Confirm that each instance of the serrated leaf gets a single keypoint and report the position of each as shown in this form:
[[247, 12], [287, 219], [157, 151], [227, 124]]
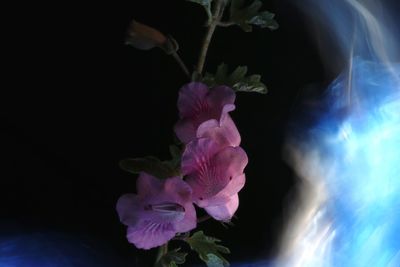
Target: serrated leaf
[[154, 166], [150, 165], [214, 261], [238, 74], [207, 7], [175, 151], [222, 73], [175, 161], [251, 84], [237, 80], [246, 16], [172, 258], [208, 249], [265, 19]]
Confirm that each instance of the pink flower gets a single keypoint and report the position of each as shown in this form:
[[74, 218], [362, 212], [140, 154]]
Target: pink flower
[[215, 174], [161, 209], [204, 112]]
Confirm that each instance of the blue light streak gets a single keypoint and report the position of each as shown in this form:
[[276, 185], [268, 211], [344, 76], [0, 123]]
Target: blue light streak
[[362, 153], [49, 249]]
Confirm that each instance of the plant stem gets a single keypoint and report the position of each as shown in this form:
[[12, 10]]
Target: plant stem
[[218, 10], [161, 252], [203, 218], [225, 23], [181, 63], [183, 237]]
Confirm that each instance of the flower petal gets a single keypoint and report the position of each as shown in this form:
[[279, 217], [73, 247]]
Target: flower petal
[[209, 175], [148, 234], [147, 184], [233, 187], [178, 189], [197, 104], [168, 204], [128, 209], [225, 194], [192, 98], [182, 193], [161, 209], [197, 154], [226, 211], [223, 132], [185, 130], [231, 161], [221, 96], [189, 222]]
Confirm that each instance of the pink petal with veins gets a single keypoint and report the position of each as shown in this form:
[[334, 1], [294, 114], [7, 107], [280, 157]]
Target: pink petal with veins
[[161, 209]]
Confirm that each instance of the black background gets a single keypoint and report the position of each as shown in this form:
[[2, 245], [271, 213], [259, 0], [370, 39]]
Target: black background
[[81, 100]]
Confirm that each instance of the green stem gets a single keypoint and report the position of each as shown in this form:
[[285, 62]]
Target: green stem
[[161, 252], [225, 23], [181, 64], [203, 218], [183, 236], [218, 10]]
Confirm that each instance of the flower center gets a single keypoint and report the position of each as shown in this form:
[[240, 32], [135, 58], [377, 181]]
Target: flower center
[[168, 210]]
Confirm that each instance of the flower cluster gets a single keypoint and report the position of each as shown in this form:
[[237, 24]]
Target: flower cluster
[[212, 166]]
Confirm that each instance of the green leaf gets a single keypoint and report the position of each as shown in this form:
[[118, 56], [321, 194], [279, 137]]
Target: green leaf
[[251, 84], [265, 19], [175, 151], [172, 259], [175, 161], [237, 75], [154, 166], [150, 165], [214, 261], [207, 7], [246, 16], [237, 80], [220, 77], [208, 249]]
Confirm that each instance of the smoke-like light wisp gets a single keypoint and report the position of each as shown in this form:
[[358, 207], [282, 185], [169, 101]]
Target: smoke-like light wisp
[[351, 206], [349, 161]]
